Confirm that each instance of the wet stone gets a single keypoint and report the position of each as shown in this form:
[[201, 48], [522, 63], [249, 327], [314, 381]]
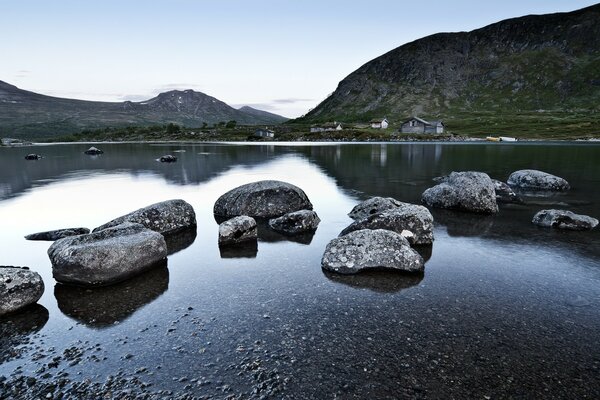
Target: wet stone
[[531, 179], [296, 222], [237, 230], [466, 191], [563, 219], [19, 288]]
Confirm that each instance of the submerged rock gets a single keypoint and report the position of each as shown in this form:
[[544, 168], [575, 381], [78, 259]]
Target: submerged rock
[[412, 221], [93, 151], [57, 234], [167, 159], [532, 179], [562, 219], [237, 230], [263, 199], [296, 222], [367, 249], [166, 217], [107, 256], [504, 193], [19, 288], [33, 157], [467, 191], [372, 206]]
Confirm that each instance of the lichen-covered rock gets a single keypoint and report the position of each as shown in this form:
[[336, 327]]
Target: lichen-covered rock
[[372, 206], [237, 230], [402, 217], [562, 219], [19, 288], [532, 179], [57, 234], [107, 256], [296, 222], [367, 249], [504, 193], [263, 199], [93, 151], [467, 191], [166, 217]]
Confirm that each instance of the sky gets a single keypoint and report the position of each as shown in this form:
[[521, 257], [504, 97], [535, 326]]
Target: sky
[[281, 56]]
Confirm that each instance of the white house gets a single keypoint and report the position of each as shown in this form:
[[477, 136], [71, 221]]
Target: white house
[[328, 127], [379, 123], [418, 125], [264, 132]]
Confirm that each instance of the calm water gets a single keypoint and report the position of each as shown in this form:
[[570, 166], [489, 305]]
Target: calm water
[[505, 309]]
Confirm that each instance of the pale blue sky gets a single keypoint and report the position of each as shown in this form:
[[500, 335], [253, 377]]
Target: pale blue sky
[[280, 55]]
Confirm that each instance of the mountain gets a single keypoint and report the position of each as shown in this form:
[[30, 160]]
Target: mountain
[[533, 64], [262, 114], [29, 114]]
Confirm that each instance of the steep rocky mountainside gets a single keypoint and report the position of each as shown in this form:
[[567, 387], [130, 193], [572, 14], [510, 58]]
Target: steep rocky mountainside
[[29, 114], [533, 64]]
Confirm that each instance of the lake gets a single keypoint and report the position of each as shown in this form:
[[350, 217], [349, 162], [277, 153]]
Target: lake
[[504, 309]]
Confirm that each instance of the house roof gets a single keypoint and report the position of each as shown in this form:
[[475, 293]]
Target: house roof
[[434, 123]]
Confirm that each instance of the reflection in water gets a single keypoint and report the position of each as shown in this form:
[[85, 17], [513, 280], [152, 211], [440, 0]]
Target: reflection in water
[[460, 223], [266, 234], [381, 281], [425, 251], [247, 249], [180, 240], [16, 330], [102, 307]]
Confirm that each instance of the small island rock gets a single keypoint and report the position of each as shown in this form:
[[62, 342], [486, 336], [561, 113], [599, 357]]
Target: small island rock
[[57, 234], [93, 151], [263, 199], [33, 157], [237, 230], [167, 159], [166, 217], [467, 191], [19, 287], [402, 217], [107, 256], [296, 222], [368, 249], [532, 179], [562, 219]]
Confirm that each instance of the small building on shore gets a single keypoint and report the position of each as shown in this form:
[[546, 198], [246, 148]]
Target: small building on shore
[[380, 123], [328, 127], [419, 125], [264, 132]]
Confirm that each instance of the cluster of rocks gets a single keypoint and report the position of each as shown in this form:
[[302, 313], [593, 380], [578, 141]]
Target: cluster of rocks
[[284, 207], [94, 151]]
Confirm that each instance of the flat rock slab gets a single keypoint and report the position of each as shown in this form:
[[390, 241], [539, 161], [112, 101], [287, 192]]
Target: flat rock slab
[[368, 249], [562, 219], [19, 288], [108, 256], [399, 218], [296, 222], [57, 234], [263, 199], [466, 191], [531, 179], [166, 217], [237, 230]]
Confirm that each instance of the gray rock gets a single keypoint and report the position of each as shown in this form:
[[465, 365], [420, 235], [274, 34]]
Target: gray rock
[[504, 193], [467, 191], [107, 256], [167, 159], [562, 219], [263, 199], [296, 222], [372, 206], [532, 179], [402, 217], [367, 249], [93, 151], [57, 234], [166, 217], [33, 157], [19, 287], [237, 230]]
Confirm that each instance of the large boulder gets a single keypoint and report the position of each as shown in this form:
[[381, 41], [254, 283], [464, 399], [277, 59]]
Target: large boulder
[[57, 234], [368, 249], [562, 219], [237, 230], [107, 256], [19, 288], [166, 217], [531, 179], [467, 191], [263, 199], [372, 206], [504, 193], [403, 217], [296, 222]]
